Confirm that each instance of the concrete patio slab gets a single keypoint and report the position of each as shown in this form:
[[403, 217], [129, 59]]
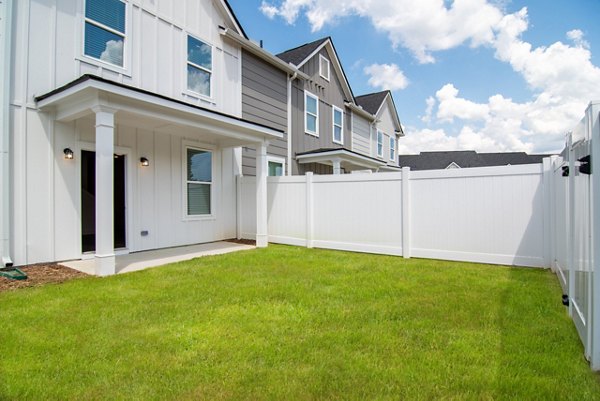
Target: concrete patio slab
[[147, 259]]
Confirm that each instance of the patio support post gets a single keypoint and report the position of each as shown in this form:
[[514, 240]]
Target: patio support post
[[337, 166], [262, 237], [105, 253]]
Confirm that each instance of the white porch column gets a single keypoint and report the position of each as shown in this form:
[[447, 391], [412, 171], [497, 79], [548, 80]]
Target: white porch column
[[262, 237], [105, 253], [337, 166]]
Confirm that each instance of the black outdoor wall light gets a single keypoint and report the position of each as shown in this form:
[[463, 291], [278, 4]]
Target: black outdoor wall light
[[68, 153], [144, 162]]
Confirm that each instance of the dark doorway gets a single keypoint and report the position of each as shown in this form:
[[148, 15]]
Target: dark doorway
[[88, 201]]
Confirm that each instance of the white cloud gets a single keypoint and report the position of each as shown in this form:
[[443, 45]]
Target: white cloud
[[113, 52], [576, 36], [386, 76], [430, 102], [451, 106], [421, 26]]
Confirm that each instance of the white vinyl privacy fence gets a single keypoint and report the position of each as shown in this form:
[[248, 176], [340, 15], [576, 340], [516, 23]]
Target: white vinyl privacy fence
[[490, 215], [575, 231]]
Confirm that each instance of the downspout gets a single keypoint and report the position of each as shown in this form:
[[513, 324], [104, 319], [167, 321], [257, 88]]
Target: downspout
[[6, 55], [289, 121]]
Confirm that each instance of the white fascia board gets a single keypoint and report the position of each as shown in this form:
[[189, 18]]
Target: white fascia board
[[262, 53], [360, 111], [107, 88], [232, 18], [342, 155]]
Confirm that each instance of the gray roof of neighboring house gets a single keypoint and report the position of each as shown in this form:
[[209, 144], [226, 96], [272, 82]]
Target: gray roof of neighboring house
[[300, 53], [371, 102], [466, 158]]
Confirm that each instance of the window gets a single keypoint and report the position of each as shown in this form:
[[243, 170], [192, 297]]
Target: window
[[199, 181], [276, 166], [392, 148], [104, 37], [311, 114], [379, 143], [199, 66], [323, 67], [338, 125]]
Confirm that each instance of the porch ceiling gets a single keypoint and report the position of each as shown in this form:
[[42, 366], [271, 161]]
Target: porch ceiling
[[138, 108]]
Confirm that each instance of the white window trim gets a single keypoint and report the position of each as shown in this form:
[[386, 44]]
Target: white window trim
[[379, 133], [392, 148], [333, 110], [323, 58], [276, 159], [197, 146], [187, 90], [125, 69], [306, 112]]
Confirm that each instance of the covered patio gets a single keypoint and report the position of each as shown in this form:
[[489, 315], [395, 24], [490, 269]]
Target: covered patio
[[147, 259], [164, 141]]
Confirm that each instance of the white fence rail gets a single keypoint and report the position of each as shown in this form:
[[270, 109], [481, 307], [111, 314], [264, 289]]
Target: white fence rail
[[489, 215]]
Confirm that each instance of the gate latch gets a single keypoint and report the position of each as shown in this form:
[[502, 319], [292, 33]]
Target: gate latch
[[586, 165]]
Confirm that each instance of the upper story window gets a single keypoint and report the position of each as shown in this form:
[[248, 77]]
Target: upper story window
[[379, 143], [199, 182], [311, 114], [338, 125], [323, 67], [199, 66], [392, 148], [105, 35]]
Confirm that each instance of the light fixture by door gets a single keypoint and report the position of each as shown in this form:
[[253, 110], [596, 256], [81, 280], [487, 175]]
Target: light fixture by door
[[68, 153], [144, 162]]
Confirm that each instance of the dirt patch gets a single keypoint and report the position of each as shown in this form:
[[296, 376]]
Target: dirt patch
[[39, 275], [242, 241]]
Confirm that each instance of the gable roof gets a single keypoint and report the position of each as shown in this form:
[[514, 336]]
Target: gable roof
[[466, 158], [298, 54], [234, 18], [371, 102]]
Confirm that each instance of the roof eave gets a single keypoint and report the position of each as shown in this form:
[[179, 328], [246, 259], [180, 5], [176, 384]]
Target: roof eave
[[262, 53]]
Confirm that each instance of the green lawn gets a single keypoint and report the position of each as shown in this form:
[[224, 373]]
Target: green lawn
[[292, 323]]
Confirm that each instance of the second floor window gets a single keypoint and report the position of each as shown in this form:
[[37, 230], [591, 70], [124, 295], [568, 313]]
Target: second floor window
[[105, 30], [379, 143], [199, 66], [338, 125], [392, 148], [311, 114]]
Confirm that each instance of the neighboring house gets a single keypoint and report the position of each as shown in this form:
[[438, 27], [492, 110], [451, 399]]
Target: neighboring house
[[384, 133], [465, 159], [122, 126], [327, 124]]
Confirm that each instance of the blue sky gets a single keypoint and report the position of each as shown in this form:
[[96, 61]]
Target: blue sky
[[468, 74]]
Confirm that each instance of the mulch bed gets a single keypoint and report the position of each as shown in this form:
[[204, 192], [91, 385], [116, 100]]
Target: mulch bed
[[40, 274], [242, 241]]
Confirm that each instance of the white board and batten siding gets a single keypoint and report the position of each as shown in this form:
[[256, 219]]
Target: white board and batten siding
[[48, 53], [489, 215]]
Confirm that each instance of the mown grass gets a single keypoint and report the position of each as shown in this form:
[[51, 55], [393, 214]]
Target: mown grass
[[292, 323]]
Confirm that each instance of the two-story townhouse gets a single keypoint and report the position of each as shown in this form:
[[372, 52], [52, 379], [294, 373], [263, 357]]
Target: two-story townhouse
[[122, 124], [330, 131], [383, 133]]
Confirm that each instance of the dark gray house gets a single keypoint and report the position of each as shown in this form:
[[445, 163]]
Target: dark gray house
[[465, 159], [330, 131]]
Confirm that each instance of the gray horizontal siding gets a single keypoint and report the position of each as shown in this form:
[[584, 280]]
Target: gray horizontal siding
[[264, 101]]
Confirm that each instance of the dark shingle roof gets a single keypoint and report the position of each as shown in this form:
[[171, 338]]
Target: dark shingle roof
[[300, 53], [466, 158], [371, 102]]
